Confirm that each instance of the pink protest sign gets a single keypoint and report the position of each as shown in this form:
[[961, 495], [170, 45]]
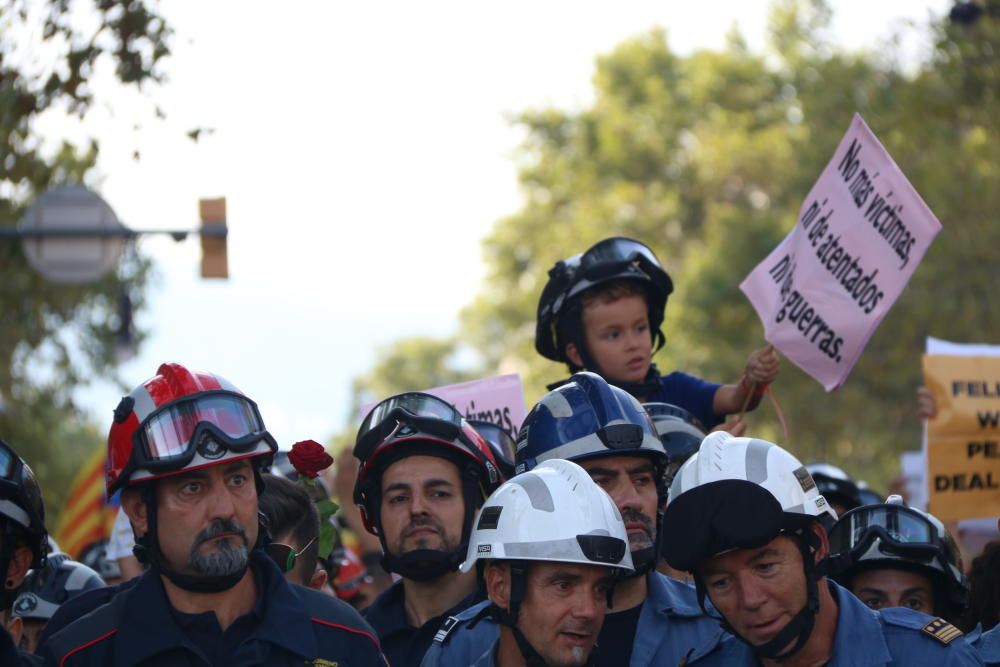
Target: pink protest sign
[[498, 399], [861, 233]]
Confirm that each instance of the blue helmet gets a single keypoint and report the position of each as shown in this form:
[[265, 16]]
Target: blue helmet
[[46, 588], [584, 419]]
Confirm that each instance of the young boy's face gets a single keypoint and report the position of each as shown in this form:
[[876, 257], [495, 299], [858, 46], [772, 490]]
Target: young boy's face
[[618, 338]]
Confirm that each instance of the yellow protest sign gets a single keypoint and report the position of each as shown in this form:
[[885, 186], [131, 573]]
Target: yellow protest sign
[[963, 440]]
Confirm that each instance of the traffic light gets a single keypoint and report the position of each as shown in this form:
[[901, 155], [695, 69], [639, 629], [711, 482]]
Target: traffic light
[[214, 256]]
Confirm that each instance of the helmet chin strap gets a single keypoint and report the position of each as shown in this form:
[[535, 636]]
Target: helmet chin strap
[[422, 564], [647, 387], [518, 581], [7, 595], [797, 630], [429, 564], [643, 560]]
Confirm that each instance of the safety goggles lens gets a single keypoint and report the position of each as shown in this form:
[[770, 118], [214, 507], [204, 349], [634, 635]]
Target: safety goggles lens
[[413, 407], [498, 439], [7, 463], [901, 525], [415, 403], [168, 433]]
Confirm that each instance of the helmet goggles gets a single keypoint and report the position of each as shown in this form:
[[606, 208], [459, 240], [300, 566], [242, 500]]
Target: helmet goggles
[[498, 439], [410, 412], [16, 483], [170, 437], [611, 256], [902, 531]]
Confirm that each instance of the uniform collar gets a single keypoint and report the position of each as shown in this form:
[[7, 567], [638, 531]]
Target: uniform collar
[[671, 597], [145, 607], [488, 659], [858, 639], [668, 602], [987, 643], [387, 613]]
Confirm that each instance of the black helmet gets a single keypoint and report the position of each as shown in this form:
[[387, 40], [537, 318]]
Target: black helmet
[[680, 432], [21, 507], [835, 485], [615, 258], [891, 535]]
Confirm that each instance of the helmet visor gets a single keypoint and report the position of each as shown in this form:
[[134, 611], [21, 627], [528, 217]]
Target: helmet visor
[[420, 411], [615, 252], [498, 439], [167, 436], [899, 528], [8, 461]]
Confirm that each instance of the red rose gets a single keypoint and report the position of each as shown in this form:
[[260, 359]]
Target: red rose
[[309, 458]]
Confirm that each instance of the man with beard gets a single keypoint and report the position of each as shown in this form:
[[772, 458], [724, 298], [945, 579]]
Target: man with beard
[[187, 450], [424, 471], [654, 620]]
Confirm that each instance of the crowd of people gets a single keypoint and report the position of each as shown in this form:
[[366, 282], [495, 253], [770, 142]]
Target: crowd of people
[[633, 522]]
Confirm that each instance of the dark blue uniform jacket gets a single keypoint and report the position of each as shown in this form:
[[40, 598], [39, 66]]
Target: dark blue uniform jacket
[[290, 625]]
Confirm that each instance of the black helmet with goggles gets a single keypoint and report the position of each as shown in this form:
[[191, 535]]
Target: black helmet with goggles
[[411, 424], [893, 536], [614, 258]]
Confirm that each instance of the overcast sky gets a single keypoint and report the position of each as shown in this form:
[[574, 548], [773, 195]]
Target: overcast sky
[[364, 151]]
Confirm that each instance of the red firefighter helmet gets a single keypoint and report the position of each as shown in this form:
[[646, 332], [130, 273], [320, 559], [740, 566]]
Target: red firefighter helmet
[[181, 420]]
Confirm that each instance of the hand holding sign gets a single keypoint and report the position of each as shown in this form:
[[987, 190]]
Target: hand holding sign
[[762, 366], [861, 233]]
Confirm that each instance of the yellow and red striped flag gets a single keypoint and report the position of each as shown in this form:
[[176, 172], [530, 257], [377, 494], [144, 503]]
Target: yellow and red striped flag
[[88, 517]]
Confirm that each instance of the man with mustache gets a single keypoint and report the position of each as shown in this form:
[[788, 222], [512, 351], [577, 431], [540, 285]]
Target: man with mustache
[[653, 620], [187, 450], [424, 471]]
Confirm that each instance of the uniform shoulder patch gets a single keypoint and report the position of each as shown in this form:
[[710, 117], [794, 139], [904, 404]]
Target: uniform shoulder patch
[[446, 627], [942, 630]]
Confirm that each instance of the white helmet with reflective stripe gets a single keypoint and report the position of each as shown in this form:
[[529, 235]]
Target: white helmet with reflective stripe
[[556, 513], [722, 456]]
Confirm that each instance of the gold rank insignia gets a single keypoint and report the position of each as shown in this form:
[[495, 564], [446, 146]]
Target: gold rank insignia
[[320, 662], [942, 630]]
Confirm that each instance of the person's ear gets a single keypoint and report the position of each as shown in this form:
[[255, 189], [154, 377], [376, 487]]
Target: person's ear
[[135, 508], [318, 580], [18, 568], [497, 579], [573, 354], [824, 541], [15, 626]]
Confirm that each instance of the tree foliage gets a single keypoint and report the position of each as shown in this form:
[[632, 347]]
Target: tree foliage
[[707, 158], [56, 338]]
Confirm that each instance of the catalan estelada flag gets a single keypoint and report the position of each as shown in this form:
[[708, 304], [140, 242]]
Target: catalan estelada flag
[[88, 517]]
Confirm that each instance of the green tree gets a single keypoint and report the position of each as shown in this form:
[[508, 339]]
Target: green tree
[[56, 337], [708, 157]]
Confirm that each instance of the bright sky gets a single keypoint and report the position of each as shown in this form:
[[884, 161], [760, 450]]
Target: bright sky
[[364, 151]]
